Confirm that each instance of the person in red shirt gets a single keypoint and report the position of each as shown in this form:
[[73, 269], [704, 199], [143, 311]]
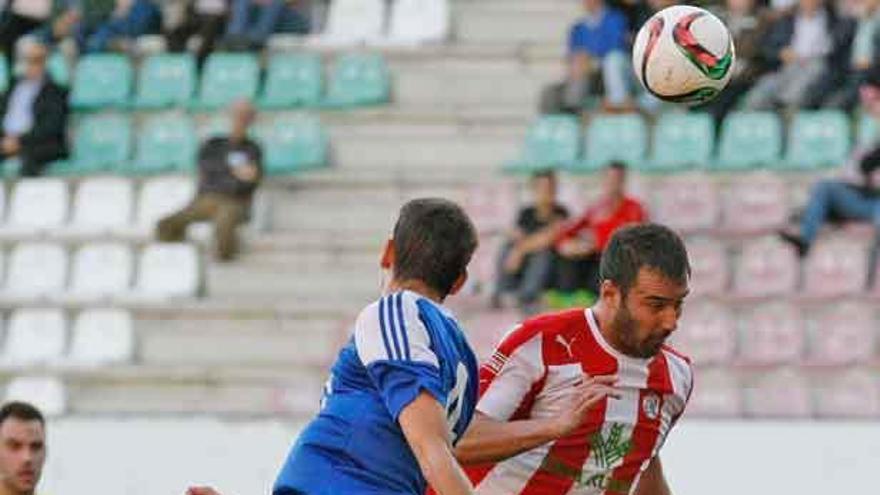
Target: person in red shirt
[[580, 244]]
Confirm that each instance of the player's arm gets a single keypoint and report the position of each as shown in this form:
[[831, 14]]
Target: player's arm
[[491, 440], [424, 424], [652, 481]]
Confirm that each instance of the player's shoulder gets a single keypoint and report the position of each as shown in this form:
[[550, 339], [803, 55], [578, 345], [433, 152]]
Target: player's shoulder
[[681, 369], [546, 325]]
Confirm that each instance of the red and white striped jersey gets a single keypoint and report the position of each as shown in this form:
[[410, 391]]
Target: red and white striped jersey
[[529, 375]]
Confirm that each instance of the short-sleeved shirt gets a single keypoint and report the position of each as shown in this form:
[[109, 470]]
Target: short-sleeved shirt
[[218, 156], [401, 345], [603, 224], [599, 34], [529, 222]]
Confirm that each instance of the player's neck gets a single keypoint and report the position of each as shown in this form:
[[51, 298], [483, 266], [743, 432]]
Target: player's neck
[[416, 286], [606, 325]]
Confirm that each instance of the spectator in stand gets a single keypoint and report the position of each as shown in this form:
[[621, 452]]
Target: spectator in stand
[[853, 197], [747, 26], [101, 25], [22, 448], [526, 263], [253, 21], [34, 112], [18, 19], [799, 48], [230, 169], [597, 52], [581, 243], [203, 18]]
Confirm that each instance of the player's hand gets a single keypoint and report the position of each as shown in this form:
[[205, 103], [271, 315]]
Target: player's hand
[[581, 399], [202, 490]]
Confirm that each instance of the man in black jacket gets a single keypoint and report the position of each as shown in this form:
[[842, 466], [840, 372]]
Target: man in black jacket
[[34, 113], [230, 169]]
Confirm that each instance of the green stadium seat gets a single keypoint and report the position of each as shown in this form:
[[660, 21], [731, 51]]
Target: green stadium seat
[[166, 80], [102, 80], [553, 141], [868, 130], [293, 144], [358, 80], [749, 139], [100, 143], [165, 143], [227, 77], [614, 137], [4, 75], [681, 140], [817, 139], [293, 80], [59, 69]]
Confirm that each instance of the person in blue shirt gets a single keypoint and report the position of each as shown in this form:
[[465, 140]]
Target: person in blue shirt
[[597, 46]]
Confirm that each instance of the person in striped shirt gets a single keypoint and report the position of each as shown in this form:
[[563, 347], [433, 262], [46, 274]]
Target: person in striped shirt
[[536, 431]]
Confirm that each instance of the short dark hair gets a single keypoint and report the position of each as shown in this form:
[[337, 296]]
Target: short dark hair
[[617, 165], [21, 410], [433, 242], [644, 246], [546, 173]]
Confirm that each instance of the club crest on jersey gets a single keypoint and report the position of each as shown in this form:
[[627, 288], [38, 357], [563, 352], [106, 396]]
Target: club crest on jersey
[[496, 362], [651, 406]]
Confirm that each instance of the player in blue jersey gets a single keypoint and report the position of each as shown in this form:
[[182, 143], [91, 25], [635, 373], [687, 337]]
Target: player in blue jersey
[[404, 388]]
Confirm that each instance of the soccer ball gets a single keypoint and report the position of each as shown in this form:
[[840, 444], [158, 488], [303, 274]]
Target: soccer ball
[[683, 54]]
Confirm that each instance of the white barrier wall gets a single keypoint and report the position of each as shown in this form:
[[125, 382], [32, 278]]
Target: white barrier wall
[[161, 457]]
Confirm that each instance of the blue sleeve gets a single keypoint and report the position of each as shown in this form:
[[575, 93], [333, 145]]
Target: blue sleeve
[[576, 42], [400, 383]]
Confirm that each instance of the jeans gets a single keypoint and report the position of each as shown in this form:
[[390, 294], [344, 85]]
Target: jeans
[[255, 23], [532, 278], [225, 211], [144, 17]]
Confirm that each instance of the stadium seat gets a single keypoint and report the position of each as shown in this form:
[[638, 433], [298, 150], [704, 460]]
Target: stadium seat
[[707, 334], [101, 143], [160, 197], [849, 394], [5, 75], [842, 334], [100, 81], [614, 137], [492, 206], [867, 131], [293, 144], [101, 204], [166, 143], [37, 205], [749, 139], [166, 80], [47, 394], [36, 336], [100, 270], [227, 77], [772, 333], [710, 267], [2, 206], [836, 267], [483, 265], [551, 141], [419, 21], [686, 203], [486, 329], [816, 140], [59, 70], [358, 80], [717, 396], [354, 21], [766, 267], [292, 80], [102, 336], [779, 394], [168, 270], [755, 203], [681, 140], [35, 270]]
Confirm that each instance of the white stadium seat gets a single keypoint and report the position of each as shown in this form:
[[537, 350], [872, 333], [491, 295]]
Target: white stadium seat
[[836, 267], [844, 333], [38, 205], [2, 205], [755, 203], [710, 267], [160, 197], [772, 334], [47, 394], [850, 394], [417, 21], [766, 267], [101, 270], [779, 394], [35, 270], [101, 204], [35, 336], [718, 394], [102, 336], [354, 21], [686, 203], [707, 334], [168, 270]]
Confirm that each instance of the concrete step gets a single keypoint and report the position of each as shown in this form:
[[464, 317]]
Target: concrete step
[[503, 22]]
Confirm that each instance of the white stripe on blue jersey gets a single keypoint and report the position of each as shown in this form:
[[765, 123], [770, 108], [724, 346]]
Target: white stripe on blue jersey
[[391, 330]]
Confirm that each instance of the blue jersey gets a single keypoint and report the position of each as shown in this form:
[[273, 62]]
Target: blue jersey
[[401, 345]]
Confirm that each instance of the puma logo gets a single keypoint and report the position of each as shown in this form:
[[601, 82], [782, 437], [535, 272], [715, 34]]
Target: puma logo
[[565, 344]]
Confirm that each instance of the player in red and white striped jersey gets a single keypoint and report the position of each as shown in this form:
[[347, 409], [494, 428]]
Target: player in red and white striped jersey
[[580, 402]]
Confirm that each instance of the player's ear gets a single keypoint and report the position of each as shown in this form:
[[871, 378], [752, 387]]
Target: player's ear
[[610, 294], [387, 259], [459, 283]]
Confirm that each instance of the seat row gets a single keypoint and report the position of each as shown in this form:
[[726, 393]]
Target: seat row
[[814, 140], [38, 271], [408, 22], [172, 80]]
